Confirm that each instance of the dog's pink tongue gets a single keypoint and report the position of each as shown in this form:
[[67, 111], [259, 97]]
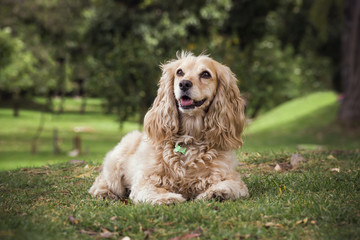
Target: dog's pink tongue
[[186, 102]]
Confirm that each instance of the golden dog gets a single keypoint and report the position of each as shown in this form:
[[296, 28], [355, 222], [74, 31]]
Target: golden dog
[[188, 148]]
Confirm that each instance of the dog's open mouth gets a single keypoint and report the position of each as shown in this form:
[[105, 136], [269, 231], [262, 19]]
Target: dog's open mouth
[[188, 103]]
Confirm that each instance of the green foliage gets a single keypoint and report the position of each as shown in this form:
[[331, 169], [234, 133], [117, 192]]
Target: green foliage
[[318, 15], [280, 49], [311, 27], [130, 40], [271, 74], [6, 48], [18, 64]]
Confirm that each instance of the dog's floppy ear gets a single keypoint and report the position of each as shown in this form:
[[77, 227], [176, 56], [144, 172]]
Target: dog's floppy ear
[[225, 119], [161, 121]]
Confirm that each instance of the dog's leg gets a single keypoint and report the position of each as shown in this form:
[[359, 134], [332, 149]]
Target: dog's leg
[[101, 189], [144, 191], [111, 182], [224, 190]]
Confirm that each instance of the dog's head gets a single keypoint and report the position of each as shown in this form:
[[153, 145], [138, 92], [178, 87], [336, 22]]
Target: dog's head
[[197, 86]]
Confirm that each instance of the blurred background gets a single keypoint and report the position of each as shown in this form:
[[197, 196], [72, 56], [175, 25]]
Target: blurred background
[[77, 75]]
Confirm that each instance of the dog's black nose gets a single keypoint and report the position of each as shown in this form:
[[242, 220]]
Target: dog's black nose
[[185, 85]]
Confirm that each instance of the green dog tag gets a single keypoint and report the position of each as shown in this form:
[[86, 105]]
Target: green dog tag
[[180, 149]]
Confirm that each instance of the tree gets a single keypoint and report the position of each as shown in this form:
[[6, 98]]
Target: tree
[[280, 49], [129, 39], [17, 69], [349, 113], [277, 54], [50, 31]]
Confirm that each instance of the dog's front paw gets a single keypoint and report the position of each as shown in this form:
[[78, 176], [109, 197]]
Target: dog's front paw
[[224, 191], [100, 189], [168, 198], [219, 195]]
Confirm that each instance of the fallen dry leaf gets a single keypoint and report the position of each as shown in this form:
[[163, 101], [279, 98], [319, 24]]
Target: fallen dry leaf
[[277, 168], [195, 234], [238, 236], [106, 235], [104, 230], [313, 222], [90, 233], [331, 157], [113, 218], [303, 221], [148, 232], [296, 160], [282, 167], [335, 169], [84, 175], [73, 220], [36, 171], [272, 224], [168, 223]]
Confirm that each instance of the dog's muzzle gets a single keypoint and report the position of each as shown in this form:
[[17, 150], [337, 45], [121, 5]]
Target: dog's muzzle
[[187, 103]]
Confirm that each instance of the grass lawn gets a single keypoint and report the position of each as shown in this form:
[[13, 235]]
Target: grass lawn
[[318, 200], [16, 134]]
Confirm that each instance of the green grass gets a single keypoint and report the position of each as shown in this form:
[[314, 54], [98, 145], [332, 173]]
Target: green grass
[[308, 122], [36, 204], [294, 110], [311, 202], [16, 135]]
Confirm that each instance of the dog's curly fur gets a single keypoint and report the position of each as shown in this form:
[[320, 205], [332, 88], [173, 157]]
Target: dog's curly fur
[[206, 117]]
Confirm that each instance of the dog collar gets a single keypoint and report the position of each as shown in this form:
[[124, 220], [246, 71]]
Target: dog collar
[[180, 149]]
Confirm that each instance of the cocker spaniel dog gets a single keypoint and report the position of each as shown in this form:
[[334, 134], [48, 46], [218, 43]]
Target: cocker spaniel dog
[[188, 148]]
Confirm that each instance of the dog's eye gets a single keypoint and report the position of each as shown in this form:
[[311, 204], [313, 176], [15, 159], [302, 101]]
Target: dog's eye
[[205, 74], [180, 73]]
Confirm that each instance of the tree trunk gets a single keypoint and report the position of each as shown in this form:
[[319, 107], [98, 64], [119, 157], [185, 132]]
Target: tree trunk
[[56, 148], [77, 144], [61, 84], [49, 102], [349, 114], [62, 102], [16, 103], [83, 104], [82, 93], [256, 110], [34, 148]]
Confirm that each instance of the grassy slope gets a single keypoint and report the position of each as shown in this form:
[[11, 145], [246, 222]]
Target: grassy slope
[[36, 203], [309, 122]]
